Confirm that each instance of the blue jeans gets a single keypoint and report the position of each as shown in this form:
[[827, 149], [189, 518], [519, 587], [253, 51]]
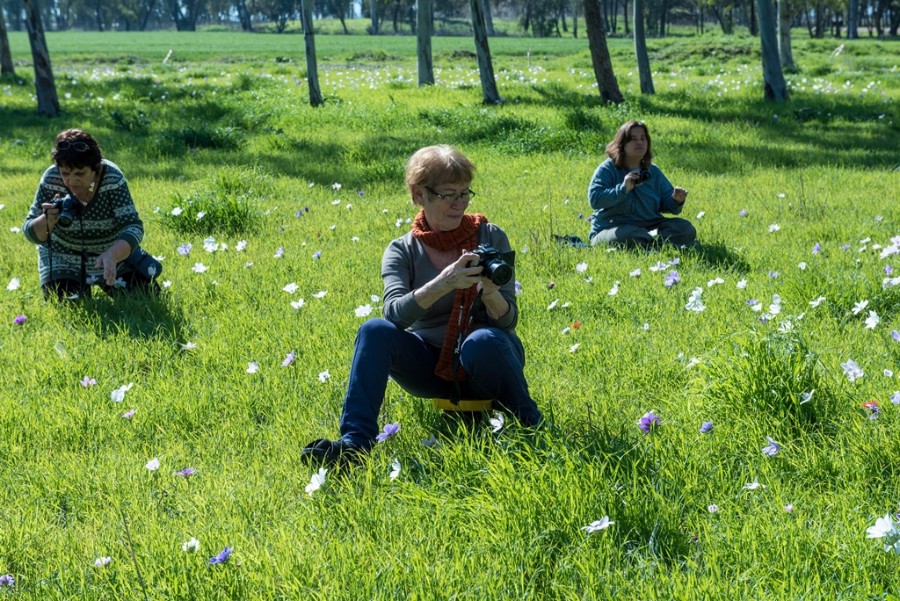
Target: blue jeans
[[493, 360]]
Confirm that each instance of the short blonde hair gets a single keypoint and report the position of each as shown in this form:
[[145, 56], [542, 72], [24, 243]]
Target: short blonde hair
[[439, 164]]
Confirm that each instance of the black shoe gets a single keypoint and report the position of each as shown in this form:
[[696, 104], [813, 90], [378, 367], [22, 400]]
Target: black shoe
[[329, 452]]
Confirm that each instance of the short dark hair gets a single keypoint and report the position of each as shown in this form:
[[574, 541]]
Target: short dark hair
[[616, 148], [66, 155]]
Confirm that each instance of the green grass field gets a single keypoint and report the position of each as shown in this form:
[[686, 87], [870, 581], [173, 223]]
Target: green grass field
[[792, 202]]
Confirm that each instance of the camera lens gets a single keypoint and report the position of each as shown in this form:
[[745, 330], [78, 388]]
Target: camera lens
[[499, 272]]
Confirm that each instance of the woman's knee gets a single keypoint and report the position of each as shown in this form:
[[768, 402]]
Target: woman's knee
[[485, 346]]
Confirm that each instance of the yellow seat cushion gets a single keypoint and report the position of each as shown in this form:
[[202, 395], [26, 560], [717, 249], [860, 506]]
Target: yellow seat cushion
[[464, 405]]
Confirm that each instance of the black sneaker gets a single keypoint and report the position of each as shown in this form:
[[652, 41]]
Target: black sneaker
[[329, 452]]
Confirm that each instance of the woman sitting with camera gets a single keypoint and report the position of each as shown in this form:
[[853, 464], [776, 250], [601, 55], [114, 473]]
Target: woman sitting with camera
[[85, 224], [449, 326], [629, 194]]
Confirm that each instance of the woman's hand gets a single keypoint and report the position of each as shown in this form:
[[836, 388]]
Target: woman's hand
[[109, 260], [679, 195], [458, 275], [631, 180], [455, 276]]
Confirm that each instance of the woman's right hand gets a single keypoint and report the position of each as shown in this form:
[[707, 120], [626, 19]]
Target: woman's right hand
[[631, 180], [51, 213], [458, 275]]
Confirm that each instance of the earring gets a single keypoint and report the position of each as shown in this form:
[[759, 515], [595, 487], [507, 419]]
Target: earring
[[91, 187]]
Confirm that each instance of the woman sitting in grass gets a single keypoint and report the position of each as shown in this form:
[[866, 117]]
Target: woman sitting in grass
[[629, 194], [86, 225], [434, 299]]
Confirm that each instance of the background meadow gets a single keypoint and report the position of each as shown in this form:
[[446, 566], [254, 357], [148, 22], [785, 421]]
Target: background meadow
[[793, 202]]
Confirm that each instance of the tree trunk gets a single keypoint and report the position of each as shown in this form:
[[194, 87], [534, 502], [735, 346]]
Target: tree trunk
[[775, 88], [6, 63], [853, 20], [485, 66], [488, 17], [45, 86], [663, 21], [640, 49], [424, 26], [244, 16], [373, 8], [784, 35], [312, 70], [575, 19], [754, 31], [603, 70]]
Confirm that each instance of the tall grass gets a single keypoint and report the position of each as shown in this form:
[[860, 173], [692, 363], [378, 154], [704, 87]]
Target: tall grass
[[225, 130]]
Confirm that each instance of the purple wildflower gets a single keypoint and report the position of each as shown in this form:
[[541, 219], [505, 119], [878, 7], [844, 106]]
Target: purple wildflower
[[774, 274], [518, 287], [185, 249], [288, 359], [19, 320], [752, 301], [87, 381], [221, 557], [360, 192], [772, 448], [317, 254], [189, 471], [279, 252], [129, 414], [895, 335], [389, 431], [299, 213], [895, 398], [706, 427], [672, 278], [648, 421], [845, 247], [817, 248], [888, 270], [7, 580], [743, 212]]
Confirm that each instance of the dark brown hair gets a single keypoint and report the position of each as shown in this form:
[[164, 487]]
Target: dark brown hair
[[65, 154], [616, 148]]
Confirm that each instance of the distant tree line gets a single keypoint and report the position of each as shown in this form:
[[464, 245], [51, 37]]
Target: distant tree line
[[539, 18]]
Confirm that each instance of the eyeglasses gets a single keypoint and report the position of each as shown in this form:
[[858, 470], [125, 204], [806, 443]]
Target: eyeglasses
[[76, 146], [462, 196]]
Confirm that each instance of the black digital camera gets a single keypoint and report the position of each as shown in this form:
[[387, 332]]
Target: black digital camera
[[494, 263], [68, 208], [644, 175]]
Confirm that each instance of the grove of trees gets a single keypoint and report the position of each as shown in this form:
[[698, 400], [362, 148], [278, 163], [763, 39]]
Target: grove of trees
[[539, 18]]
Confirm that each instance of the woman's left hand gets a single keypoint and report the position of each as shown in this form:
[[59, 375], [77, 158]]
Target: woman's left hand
[[109, 265], [679, 195]]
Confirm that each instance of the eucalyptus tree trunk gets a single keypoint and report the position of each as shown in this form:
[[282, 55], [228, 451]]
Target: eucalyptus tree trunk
[[603, 70], [784, 35], [6, 63], [424, 27], [488, 17], [853, 20], [44, 85], [775, 88], [575, 19], [373, 8], [483, 50], [312, 70], [640, 49]]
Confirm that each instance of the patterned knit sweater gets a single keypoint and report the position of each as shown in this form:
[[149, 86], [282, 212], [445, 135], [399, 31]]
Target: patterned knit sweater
[[109, 217]]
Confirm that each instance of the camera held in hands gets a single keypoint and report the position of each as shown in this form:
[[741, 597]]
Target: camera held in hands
[[494, 263], [68, 208], [644, 175]]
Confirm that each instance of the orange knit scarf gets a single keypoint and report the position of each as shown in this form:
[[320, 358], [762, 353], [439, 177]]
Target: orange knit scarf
[[463, 238]]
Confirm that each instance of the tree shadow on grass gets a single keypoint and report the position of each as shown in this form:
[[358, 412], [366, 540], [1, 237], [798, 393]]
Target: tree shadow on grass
[[136, 314]]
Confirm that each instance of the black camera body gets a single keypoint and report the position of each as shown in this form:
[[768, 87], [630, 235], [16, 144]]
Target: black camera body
[[644, 175], [494, 263], [68, 208]]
